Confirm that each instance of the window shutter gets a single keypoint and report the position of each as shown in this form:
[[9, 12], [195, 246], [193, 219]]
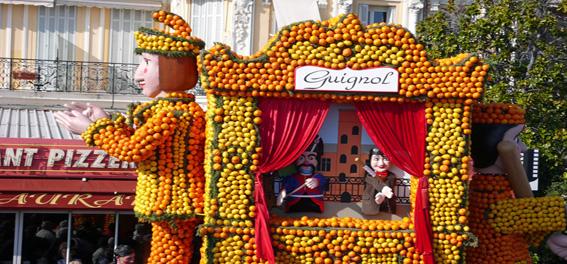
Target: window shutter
[[363, 13], [56, 35], [207, 20], [123, 24]]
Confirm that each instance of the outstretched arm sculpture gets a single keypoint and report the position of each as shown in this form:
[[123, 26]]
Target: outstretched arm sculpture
[[165, 137]]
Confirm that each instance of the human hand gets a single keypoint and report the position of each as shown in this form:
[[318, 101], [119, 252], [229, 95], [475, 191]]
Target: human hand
[[93, 112], [281, 198], [557, 242], [387, 191], [74, 121], [312, 183], [379, 198]]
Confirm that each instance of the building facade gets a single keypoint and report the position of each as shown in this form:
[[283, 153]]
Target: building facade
[[58, 51], [84, 48]]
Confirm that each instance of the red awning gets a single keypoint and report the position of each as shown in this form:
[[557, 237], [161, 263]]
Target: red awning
[[68, 186]]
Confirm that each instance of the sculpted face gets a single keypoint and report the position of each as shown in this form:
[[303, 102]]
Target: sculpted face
[[379, 163], [147, 75], [307, 159]]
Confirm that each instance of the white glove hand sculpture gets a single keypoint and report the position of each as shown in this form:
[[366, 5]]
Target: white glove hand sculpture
[[388, 192], [379, 198], [74, 121], [558, 244], [281, 198], [89, 110], [312, 183]]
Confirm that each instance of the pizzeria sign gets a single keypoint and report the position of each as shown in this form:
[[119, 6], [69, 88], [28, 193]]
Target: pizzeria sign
[[59, 158]]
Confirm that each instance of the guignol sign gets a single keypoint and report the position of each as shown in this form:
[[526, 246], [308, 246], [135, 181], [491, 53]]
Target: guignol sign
[[375, 80]]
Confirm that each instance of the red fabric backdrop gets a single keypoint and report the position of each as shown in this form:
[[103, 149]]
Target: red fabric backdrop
[[288, 127], [399, 131]]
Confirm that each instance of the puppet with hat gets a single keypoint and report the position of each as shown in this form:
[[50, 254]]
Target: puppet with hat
[[303, 191], [164, 136]]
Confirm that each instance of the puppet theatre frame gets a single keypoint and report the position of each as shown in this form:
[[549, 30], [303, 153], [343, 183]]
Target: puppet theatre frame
[[258, 121]]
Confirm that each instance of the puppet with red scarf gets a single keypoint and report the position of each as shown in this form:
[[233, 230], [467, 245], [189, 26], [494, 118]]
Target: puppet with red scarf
[[303, 191], [379, 181]]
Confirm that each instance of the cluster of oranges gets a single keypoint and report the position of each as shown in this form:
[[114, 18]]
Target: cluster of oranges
[[526, 215], [493, 246], [345, 222], [162, 41], [343, 240], [165, 137], [168, 146], [338, 44], [172, 242], [498, 113], [233, 158], [174, 21]]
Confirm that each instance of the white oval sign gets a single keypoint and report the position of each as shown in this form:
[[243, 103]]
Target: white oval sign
[[376, 80]]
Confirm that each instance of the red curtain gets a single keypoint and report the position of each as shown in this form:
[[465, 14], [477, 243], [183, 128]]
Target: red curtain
[[399, 131], [288, 128]]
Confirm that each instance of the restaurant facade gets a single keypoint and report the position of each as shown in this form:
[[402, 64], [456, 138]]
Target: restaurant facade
[[60, 200]]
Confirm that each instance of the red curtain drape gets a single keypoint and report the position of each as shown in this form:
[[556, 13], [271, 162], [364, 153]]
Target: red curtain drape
[[399, 131], [288, 128]]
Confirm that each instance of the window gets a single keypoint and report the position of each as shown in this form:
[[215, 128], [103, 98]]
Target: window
[[375, 14], [123, 24], [355, 130], [325, 164], [353, 168], [354, 150], [56, 36], [44, 236], [344, 139], [207, 20], [342, 159]]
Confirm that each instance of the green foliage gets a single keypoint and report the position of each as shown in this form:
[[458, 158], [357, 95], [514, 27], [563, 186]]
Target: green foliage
[[524, 41]]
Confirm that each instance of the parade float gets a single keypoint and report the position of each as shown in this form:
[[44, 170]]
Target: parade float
[[265, 112]]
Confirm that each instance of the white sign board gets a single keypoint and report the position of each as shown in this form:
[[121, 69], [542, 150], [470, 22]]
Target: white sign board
[[374, 80]]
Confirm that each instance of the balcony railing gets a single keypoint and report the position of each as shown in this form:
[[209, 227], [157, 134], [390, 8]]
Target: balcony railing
[[350, 189], [69, 76]]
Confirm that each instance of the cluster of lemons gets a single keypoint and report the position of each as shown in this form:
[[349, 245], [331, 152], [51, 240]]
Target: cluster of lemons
[[341, 43], [447, 167], [235, 249], [235, 158], [448, 247], [343, 240], [526, 215], [174, 39]]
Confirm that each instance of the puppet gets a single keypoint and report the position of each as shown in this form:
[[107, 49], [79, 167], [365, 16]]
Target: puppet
[[379, 181], [303, 191]]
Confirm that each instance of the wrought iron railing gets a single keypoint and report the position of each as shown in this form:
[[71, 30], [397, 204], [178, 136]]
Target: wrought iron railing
[[350, 189], [69, 76]]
